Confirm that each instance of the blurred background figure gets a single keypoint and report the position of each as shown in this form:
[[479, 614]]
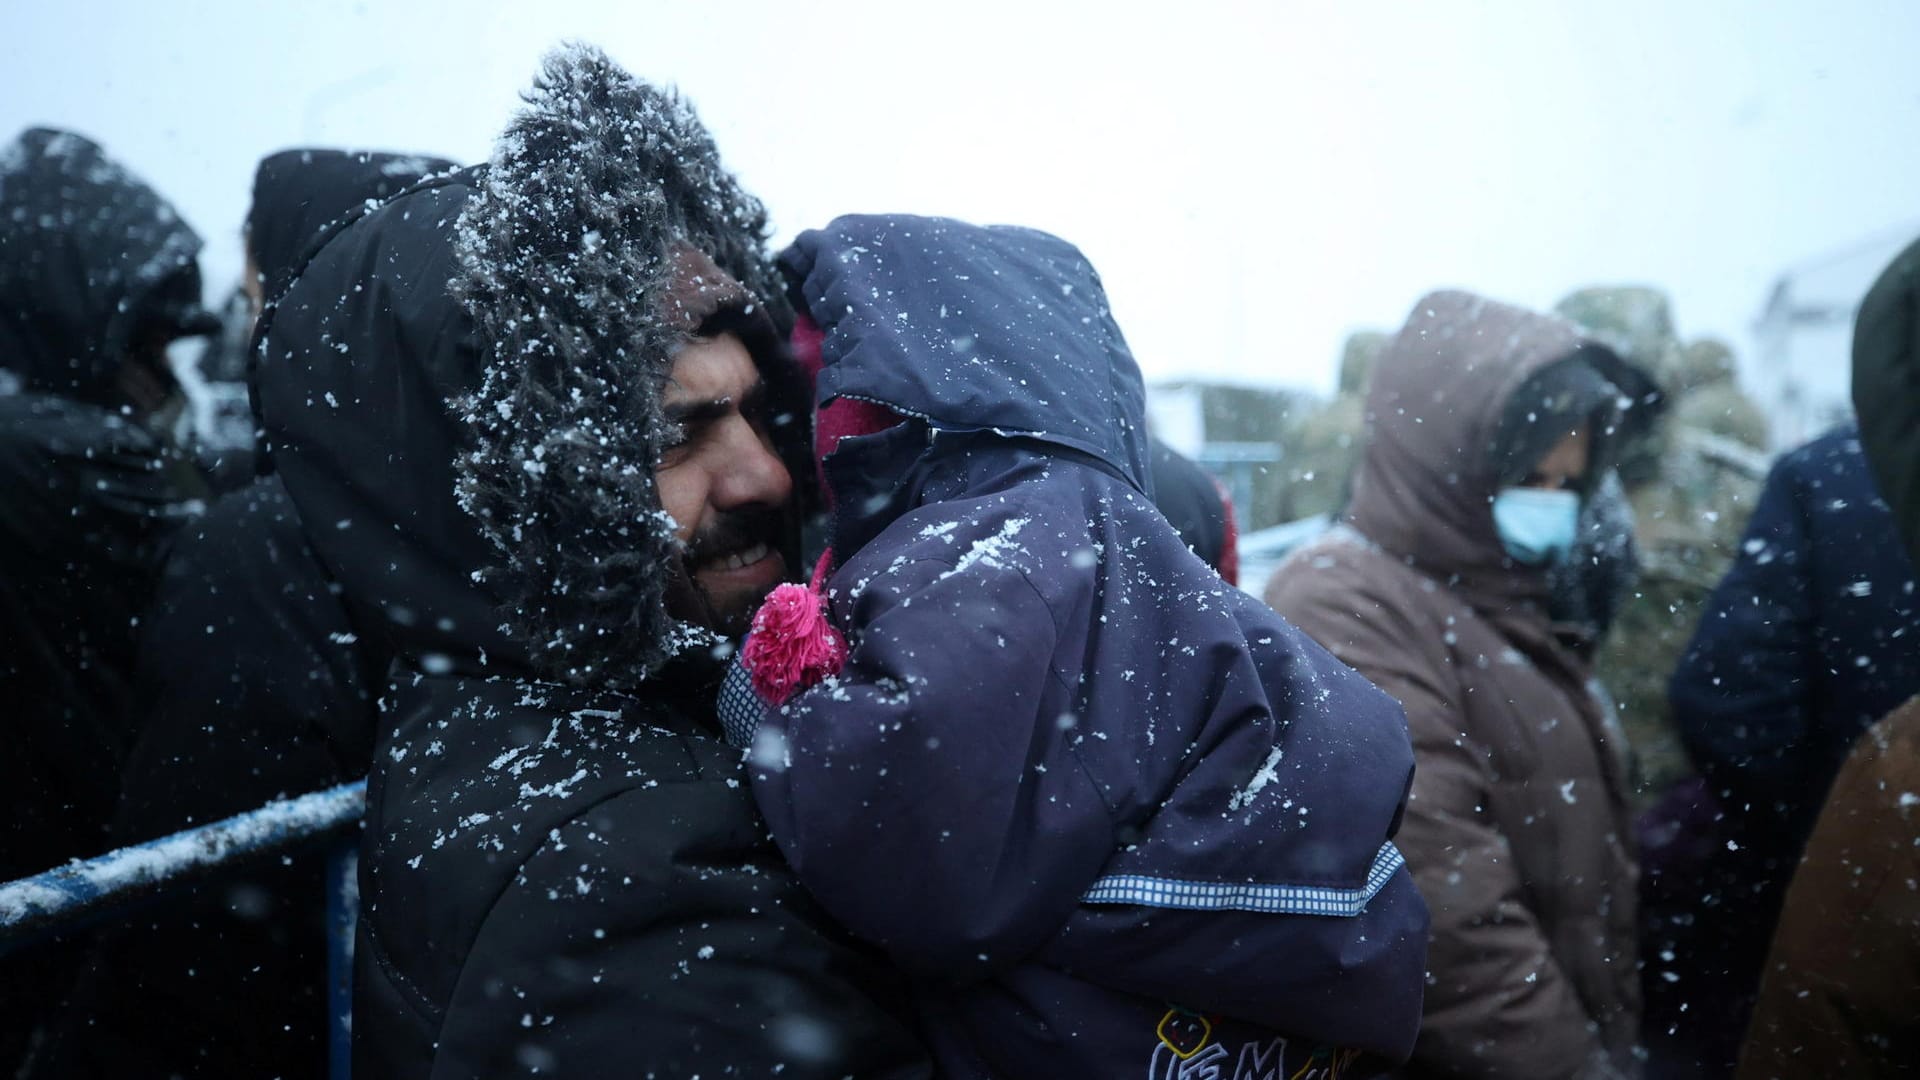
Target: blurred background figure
[[97, 276], [248, 670], [1810, 638], [1489, 426], [296, 194], [1840, 982], [1199, 509], [1690, 492]]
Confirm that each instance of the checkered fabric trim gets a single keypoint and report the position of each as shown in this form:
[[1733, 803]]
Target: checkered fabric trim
[[739, 707], [1247, 896]]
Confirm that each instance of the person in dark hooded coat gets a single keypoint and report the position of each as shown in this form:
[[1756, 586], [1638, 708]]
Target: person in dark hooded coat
[[1198, 508], [97, 276], [1111, 813], [298, 193], [525, 414], [1489, 425], [252, 684]]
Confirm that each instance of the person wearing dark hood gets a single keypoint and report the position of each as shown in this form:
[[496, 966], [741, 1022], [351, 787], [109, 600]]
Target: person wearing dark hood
[[529, 417], [1837, 995], [1110, 812], [249, 670], [1198, 508], [296, 194], [97, 276], [1486, 427]]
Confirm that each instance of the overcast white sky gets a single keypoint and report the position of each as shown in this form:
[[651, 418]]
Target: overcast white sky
[[1253, 180]]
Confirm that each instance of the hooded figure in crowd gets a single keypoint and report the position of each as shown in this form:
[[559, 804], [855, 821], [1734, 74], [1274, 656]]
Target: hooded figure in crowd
[[1487, 425], [97, 276], [1110, 813], [298, 193], [1198, 508], [563, 869], [249, 670], [1837, 998]]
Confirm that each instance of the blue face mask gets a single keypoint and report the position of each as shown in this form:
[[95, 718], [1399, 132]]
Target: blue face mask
[[1536, 526]]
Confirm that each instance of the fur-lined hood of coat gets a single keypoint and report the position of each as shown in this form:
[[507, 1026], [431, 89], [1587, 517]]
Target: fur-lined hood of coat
[[463, 386]]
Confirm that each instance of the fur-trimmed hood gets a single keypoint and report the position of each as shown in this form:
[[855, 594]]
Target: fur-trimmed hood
[[462, 387]]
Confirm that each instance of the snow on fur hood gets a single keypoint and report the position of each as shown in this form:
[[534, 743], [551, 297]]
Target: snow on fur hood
[[565, 253], [493, 343]]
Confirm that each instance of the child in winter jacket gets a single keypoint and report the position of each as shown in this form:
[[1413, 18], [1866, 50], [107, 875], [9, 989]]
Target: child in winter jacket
[[1113, 815]]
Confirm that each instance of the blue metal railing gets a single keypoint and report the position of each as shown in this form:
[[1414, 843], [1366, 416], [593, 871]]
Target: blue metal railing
[[68, 897]]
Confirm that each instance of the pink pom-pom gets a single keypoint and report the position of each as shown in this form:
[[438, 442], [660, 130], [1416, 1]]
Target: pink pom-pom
[[793, 645]]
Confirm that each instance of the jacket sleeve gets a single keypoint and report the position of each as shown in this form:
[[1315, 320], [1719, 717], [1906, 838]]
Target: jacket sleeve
[[1497, 1004], [1741, 693], [700, 956], [916, 795], [1837, 999]]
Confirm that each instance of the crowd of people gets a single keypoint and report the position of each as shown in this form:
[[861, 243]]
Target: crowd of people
[[809, 664]]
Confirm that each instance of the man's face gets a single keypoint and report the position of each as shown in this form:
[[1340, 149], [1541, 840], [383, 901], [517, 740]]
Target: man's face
[[723, 484]]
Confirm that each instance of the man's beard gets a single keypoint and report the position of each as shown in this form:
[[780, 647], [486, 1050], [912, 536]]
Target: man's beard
[[729, 534]]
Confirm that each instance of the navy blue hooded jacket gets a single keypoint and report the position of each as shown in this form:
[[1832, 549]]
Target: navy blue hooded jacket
[[1107, 809], [1808, 640]]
